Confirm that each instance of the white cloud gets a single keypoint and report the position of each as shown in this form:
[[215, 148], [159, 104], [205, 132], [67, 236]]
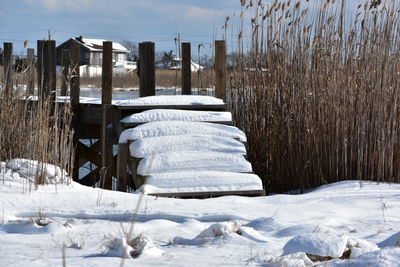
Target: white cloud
[[57, 5], [200, 13]]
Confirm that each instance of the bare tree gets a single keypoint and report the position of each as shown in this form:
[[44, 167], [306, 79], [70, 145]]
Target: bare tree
[[133, 49]]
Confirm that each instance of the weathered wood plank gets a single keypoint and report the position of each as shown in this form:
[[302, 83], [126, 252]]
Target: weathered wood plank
[[75, 106], [146, 69], [186, 70], [31, 71], [8, 68], [64, 71], [220, 69], [122, 167]]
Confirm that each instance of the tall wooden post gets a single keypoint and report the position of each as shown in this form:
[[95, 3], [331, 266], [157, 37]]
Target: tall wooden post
[[220, 69], [186, 69], [7, 77], [106, 97], [31, 71], [64, 71], [75, 108], [122, 167], [47, 69], [146, 69]]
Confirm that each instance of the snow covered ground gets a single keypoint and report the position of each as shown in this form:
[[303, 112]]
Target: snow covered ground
[[358, 220]]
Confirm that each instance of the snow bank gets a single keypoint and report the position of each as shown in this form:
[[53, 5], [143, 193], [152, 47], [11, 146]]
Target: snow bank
[[168, 128], [359, 247], [31, 169], [317, 244], [193, 161], [139, 246], [194, 143], [299, 259], [214, 231], [201, 181], [391, 241], [178, 115], [118, 247], [378, 258]]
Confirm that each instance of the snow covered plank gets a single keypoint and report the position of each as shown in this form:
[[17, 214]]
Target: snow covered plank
[[193, 161], [222, 117], [202, 183], [177, 128], [188, 143], [170, 100]]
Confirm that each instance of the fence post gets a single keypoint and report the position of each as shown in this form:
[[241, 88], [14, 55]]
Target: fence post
[[64, 71], [186, 69], [75, 108], [47, 69], [106, 97], [122, 166], [31, 71], [146, 69], [220, 69], [7, 77]]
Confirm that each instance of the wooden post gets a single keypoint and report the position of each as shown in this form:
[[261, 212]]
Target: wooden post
[[122, 167], [64, 71], [186, 69], [75, 108], [220, 69], [47, 69], [146, 68], [7, 77], [106, 97], [31, 71]]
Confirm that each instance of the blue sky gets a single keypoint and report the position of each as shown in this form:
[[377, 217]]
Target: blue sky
[[197, 21], [137, 20]]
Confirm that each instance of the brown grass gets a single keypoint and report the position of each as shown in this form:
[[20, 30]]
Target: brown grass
[[164, 78], [317, 93], [37, 130]]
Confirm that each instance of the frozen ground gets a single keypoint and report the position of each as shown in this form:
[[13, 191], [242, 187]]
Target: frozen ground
[[359, 220]]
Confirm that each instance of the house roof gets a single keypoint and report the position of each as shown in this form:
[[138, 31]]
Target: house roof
[[97, 44]]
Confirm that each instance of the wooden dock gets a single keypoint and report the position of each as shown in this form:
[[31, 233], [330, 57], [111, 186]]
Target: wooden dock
[[101, 121]]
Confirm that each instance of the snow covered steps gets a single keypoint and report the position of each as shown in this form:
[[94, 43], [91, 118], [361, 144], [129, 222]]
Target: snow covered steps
[[222, 117], [175, 154]]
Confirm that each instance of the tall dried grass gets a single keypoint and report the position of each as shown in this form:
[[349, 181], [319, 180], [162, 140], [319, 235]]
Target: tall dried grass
[[164, 78], [36, 130], [316, 89]]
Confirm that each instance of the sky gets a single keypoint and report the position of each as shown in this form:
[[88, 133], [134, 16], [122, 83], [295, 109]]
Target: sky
[[197, 21], [159, 21]]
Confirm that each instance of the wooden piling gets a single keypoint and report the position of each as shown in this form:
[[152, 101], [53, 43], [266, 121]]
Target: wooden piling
[[64, 71], [31, 71], [7, 76], [46, 69], [122, 167], [106, 97], [146, 69], [220, 69], [186, 69], [75, 107]]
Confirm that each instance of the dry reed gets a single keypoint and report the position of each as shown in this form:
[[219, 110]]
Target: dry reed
[[36, 130], [316, 89]]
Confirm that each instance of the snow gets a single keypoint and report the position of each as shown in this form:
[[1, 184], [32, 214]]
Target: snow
[[185, 161], [173, 128], [36, 226], [32, 168], [188, 143], [200, 181], [392, 241], [317, 244], [178, 115]]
